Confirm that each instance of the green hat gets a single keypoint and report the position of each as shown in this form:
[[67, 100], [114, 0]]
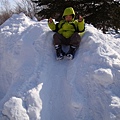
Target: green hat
[[69, 11]]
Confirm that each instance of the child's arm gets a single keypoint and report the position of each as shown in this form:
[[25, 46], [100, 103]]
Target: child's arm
[[81, 24], [51, 24]]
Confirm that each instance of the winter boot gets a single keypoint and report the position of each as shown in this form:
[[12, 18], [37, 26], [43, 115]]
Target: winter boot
[[70, 54], [59, 52]]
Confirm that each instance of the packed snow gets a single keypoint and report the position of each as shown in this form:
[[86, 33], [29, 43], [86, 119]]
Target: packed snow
[[35, 86]]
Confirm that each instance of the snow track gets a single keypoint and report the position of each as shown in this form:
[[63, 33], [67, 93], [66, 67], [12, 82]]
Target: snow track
[[34, 86]]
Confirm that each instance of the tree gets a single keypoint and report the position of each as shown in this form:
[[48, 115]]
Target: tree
[[103, 14], [6, 11], [25, 6], [115, 16], [54, 8]]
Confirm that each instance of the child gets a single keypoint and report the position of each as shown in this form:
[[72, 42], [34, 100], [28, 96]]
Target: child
[[67, 33]]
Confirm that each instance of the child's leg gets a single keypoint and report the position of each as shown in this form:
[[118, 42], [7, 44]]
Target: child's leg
[[58, 39], [74, 45], [75, 40]]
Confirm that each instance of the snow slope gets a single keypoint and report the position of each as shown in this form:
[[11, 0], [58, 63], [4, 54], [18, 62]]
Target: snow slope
[[34, 86]]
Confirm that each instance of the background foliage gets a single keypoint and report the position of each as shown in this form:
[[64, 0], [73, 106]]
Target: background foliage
[[103, 14]]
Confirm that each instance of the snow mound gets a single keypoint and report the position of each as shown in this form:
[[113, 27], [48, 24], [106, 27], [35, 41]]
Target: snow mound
[[14, 110], [34, 103], [34, 86], [103, 76]]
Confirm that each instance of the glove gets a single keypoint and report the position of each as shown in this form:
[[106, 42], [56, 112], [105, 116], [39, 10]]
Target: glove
[[50, 20], [80, 19]]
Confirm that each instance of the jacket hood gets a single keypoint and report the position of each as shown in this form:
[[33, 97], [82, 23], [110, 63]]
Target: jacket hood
[[68, 11]]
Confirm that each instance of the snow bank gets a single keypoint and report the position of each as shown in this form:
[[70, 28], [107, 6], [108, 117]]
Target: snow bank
[[103, 76], [115, 102], [34, 103], [14, 110], [34, 86]]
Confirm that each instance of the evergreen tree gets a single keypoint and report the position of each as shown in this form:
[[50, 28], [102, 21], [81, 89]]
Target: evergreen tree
[[55, 8], [104, 14], [115, 16], [101, 13]]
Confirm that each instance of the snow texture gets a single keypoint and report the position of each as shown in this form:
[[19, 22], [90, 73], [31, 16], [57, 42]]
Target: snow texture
[[34, 86]]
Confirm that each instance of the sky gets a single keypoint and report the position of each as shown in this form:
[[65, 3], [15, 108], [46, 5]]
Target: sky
[[11, 2]]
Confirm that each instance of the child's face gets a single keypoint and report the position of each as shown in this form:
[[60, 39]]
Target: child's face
[[68, 18]]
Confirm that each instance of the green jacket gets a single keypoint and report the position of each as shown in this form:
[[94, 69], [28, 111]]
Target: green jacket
[[68, 28]]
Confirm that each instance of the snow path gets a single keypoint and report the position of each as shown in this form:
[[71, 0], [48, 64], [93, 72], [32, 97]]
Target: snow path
[[34, 86]]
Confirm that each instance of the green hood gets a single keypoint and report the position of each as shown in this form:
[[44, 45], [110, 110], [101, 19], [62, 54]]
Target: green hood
[[68, 11]]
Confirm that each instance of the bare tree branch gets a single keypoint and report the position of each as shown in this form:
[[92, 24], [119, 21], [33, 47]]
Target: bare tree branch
[[26, 6]]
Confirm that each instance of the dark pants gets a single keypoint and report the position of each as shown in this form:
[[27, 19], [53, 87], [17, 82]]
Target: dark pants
[[74, 40]]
